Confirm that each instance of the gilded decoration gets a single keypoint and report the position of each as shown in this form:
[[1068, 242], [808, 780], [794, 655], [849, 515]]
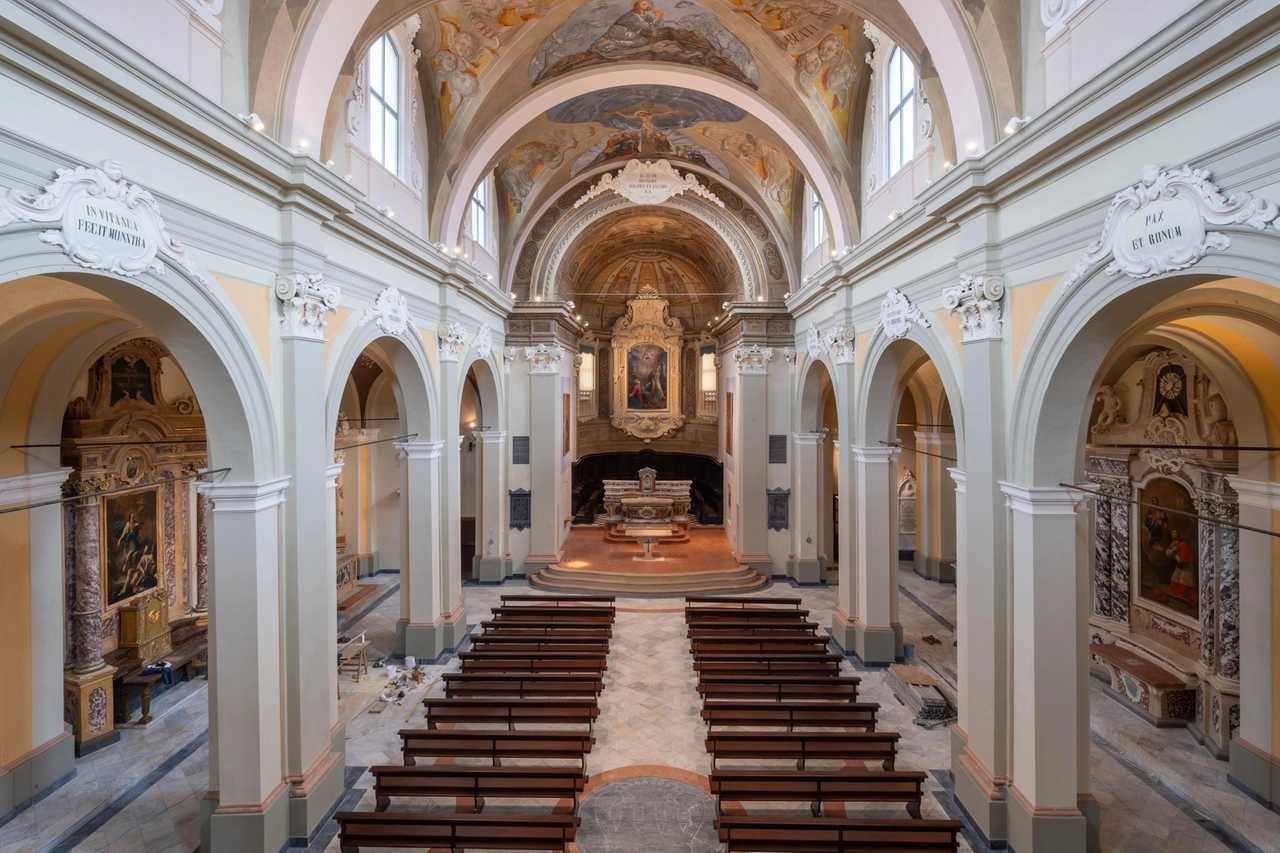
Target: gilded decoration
[[646, 391]]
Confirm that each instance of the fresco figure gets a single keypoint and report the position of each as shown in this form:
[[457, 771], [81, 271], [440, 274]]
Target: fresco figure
[[631, 30]]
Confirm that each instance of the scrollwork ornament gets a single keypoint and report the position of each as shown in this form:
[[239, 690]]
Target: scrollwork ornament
[[305, 299], [453, 339], [390, 311], [482, 344], [813, 341], [753, 359], [544, 358], [841, 343], [977, 300]]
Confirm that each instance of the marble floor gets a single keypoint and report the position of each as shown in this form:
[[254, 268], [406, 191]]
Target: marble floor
[[1158, 790]]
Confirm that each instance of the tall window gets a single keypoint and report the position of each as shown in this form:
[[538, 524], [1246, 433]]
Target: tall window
[[818, 221], [384, 106], [902, 107], [480, 214]]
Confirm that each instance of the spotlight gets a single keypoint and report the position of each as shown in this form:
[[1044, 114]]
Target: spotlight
[[328, 164], [724, 306], [760, 298], [386, 211], [1016, 124], [304, 144], [457, 250], [512, 294], [834, 253], [585, 325], [972, 147], [488, 276], [946, 164], [577, 317], [251, 120], [717, 316]]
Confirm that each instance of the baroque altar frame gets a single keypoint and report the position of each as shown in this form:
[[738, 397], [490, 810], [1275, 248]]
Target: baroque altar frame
[[648, 321]]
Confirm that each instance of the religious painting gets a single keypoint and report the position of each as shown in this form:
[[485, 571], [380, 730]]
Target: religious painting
[[646, 377], [130, 545], [1169, 536], [728, 423], [607, 31], [565, 418]]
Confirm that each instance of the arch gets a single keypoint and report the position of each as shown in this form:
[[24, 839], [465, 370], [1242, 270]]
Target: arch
[[887, 362], [546, 270], [409, 363], [1074, 334], [813, 393], [202, 330], [488, 387], [486, 149]]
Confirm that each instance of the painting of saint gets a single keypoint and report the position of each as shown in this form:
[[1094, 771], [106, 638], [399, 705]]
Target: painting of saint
[[1169, 536], [646, 377], [130, 553], [643, 30]]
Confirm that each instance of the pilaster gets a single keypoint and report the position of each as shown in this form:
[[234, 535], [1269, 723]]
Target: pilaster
[[807, 504], [877, 632], [936, 538], [545, 453], [750, 458], [420, 631], [494, 561], [452, 340], [843, 375]]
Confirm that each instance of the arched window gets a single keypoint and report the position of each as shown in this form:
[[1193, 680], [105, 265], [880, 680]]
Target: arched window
[[384, 106], [902, 90], [479, 224]]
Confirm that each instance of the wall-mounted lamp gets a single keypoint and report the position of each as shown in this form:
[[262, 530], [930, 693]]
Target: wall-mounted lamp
[[386, 211], [251, 120], [1016, 124]]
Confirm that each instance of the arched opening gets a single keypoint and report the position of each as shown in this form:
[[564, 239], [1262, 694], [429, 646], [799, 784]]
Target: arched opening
[[486, 551], [817, 488]]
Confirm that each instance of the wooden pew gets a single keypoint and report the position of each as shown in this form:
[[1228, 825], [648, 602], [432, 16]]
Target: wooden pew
[[831, 715], [747, 834], [820, 786], [546, 662], [559, 628], [521, 684], [730, 614], [564, 600], [734, 644], [778, 687], [575, 711], [552, 612], [730, 664], [495, 745], [454, 831], [747, 627], [539, 644], [803, 746], [743, 601], [452, 780]]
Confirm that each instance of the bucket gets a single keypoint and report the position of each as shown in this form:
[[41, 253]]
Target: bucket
[[908, 650]]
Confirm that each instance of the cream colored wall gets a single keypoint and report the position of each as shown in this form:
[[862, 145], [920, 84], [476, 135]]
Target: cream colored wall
[[1025, 303], [254, 304]]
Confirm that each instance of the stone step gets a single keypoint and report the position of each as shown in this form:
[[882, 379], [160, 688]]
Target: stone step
[[556, 578]]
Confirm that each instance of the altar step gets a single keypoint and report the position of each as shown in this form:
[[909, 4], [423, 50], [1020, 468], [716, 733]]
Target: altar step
[[744, 579]]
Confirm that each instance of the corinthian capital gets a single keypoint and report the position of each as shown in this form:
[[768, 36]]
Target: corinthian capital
[[453, 339], [544, 358], [977, 300], [304, 301]]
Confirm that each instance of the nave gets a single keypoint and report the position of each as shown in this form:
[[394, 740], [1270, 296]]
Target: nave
[[1158, 790]]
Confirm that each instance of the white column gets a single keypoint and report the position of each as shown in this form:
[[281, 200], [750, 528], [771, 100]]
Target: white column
[[807, 503], [1049, 689], [935, 544], [419, 631], [545, 454], [451, 379], [962, 608], [844, 377], [1255, 751], [877, 634], [491, 526], [331, 473], [750, 457], [245, 654]]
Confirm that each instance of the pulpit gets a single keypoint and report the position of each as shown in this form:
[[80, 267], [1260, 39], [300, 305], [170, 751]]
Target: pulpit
[[647, 503]]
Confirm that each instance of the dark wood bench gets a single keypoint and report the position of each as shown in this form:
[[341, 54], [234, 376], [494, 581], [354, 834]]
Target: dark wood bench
[[451, 780], [559, 599], [819, 786], [559, 628], [724, 664], [805, 746], [709, 629], [759, 644], [548, 662], [693, 615], [183, 659], [454, 831], [494, 745], [521, 684], [743, 601], [749, 834], [778, 687], [552, 612], [570, 711], [854, 715], [485, 643]]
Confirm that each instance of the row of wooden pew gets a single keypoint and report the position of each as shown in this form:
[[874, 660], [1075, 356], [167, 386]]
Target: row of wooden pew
[[772, 691], [540, 660]]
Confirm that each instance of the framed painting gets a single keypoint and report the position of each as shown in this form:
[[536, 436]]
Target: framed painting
[[130, 545], [647, 378], [728, 422], [1169, 547]]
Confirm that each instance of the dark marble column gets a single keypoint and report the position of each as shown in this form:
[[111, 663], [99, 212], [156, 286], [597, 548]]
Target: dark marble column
[[86, 618], [203, 508], [1102, 558]]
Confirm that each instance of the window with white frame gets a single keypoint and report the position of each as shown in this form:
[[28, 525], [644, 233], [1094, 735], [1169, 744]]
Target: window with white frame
[[384, 103], [817, 220], [479, 214], [901, 103], [707, 381], [586, 381]]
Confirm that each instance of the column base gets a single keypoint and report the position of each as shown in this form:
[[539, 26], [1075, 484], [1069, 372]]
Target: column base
[[1033, 830], [1256, 773], [871, 646], [807, 572], [314, 797], [429, 643], [978, 794], [934, 569], [247, 829], [33, 774], [492, 569], [537, 562], [90, 697]]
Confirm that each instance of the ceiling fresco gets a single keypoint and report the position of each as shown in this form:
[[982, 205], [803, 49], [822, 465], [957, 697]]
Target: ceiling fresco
[[607, 31], [647, 122]]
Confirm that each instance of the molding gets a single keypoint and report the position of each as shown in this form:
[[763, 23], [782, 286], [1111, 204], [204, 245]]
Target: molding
[[508, 359], [491, 436], [544, 358], [1173, 209], [452, 338], [841, 342], [897, 315], [1042, 500], [959, 478], [789, 355], [814, 438], [390, 311], [304, 301], [977, 300], [331, 474], [1256, 493], [421, 449], [648, 183], [106, 223], [875, 455], [245, 497], [32, 488]]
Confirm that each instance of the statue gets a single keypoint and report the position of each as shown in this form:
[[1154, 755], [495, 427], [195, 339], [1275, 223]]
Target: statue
[[1112, 406], [1214, 426]]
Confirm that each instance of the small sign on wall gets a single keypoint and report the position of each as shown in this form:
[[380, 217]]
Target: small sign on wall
[[779, 501], [521, 509], [777, 450], [520, 450]]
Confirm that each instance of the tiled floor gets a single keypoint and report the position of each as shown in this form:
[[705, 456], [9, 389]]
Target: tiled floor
[[707, 550], [1158, 790]]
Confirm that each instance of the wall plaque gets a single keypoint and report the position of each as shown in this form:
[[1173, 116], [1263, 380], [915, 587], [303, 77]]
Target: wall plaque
[[897, 314], [777, 450], [520, 450], [779, 502], [521, 509]]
